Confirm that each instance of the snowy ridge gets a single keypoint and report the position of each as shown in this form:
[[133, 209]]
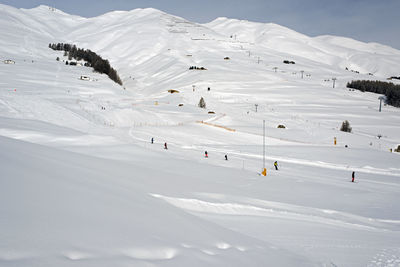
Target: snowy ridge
[[339, 51], [82, 183]]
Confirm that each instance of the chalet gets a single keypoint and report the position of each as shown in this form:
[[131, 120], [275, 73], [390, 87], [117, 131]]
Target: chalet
[[85, 78], [9, 61]]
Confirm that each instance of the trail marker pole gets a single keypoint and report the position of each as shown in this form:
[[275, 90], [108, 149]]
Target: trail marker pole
[[380, 102], [264, 171], [334, 81]]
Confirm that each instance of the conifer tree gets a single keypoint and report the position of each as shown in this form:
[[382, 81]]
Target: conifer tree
[[202, 103], [346, 127]]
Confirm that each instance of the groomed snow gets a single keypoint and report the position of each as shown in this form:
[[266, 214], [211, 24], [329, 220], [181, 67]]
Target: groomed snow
[[81, 184]]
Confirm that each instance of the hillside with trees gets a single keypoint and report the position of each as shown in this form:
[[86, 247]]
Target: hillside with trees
[[91, 58], [390, 90]]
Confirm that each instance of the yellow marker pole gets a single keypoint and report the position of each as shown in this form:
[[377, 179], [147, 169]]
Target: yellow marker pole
[[264, 172]]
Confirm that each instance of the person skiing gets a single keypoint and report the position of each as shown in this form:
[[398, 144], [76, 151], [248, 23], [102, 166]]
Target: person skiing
[[276, 165], [165, 145], [152, 140], [226, 157], [206, 154], [352, 177]]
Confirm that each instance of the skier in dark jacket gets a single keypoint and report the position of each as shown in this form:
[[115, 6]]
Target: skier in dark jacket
[[276, 165], [352, 177], [226, 157], [165, 145], [206, 154], [152, 140]]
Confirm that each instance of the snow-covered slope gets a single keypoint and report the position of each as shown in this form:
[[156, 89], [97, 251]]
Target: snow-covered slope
[[336, 51], [81, 184], [64, 207]]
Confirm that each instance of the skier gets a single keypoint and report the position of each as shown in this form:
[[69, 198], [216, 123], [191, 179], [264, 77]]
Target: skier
[[226, 157], [352, 177], [276, 165], [208, 89], [165, 145], [152, 140], [206, 154]]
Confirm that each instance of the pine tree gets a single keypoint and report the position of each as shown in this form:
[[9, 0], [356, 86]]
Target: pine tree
[[346, 127], [202, 103]]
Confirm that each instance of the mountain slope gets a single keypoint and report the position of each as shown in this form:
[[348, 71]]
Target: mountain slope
[[336, 51], [81, 183], [72, 212]]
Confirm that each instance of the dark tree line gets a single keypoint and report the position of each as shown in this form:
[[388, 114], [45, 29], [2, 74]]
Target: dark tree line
[[390, 90], [196, 68], [93, 60], [289, 62]]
